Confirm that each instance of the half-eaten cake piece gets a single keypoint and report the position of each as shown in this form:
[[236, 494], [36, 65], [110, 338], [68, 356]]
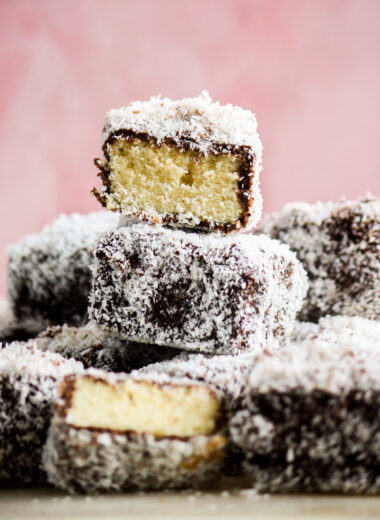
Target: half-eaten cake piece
[[116, 432], [189, 163]]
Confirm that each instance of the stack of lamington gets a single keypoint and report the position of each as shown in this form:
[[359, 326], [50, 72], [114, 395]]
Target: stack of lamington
[[182, 175], [183, 367]]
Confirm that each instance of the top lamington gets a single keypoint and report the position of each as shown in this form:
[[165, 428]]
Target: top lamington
[[190, 163]]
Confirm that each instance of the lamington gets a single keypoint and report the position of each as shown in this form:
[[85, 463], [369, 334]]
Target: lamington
[[309, 419], [28, 388], [48, 272], [96, 348], [203, 292], [339, 246], [122, 433], [190, 163]]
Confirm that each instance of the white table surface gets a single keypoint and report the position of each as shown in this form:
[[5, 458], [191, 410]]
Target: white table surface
[[47, 503]]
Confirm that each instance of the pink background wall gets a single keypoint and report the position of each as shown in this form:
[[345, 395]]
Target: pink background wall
[[308, 68]]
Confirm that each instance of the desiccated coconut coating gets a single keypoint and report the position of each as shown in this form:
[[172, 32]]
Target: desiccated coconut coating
[[339, 246], [48, 272], [227, 373], [350, 328], [87, 461], [202, 292], [189, 163], [97, 348], [310, 417], [28, 388], [92, 459]]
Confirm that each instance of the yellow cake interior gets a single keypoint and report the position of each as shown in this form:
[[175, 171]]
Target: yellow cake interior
[[143, 406], [162, 179]]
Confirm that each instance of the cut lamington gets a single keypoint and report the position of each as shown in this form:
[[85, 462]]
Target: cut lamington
[[114, 433], [188, 163], [309, 420], [29, 382], [339, 246], [97, 348], [48, 272], [202, 292]]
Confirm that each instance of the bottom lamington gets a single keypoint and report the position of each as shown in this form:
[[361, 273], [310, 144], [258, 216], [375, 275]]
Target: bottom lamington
[[309, 420], [28, 388], [121, 433]]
